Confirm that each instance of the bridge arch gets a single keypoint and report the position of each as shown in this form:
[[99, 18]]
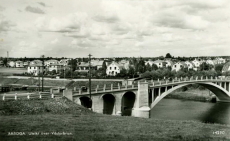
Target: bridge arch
[[108, 103], [222, 94], [127, 103], [86, 101]]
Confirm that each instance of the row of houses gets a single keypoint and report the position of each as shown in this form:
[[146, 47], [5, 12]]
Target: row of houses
[[25, 64], [190, 65], [114, 68], [36, 66]]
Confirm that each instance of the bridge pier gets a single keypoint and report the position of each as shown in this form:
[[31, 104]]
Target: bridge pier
[[142, 101]]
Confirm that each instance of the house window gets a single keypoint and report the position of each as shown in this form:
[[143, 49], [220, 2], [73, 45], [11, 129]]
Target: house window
[[115, 68], [110, 68], [174, 65]]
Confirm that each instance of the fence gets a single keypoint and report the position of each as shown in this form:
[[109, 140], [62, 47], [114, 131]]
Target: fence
[[38, 95]]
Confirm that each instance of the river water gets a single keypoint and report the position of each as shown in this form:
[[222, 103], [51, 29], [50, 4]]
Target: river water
[[174, 109]]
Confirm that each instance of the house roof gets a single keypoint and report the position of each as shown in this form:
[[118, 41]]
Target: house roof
[[121, 66], [226, 67], [52, 60], [96, 63], [158, 61], [84, 64], [35, 65]]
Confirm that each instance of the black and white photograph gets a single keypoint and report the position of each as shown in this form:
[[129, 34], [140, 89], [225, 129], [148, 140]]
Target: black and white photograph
[[115, 70]]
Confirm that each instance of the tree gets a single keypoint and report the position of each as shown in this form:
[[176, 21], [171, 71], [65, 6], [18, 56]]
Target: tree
[[123, 73], [5, 62], [104, 67], [141, 68], [154, 67], [131, 72], [219, 68], [205, 66], [73, 64], [148, 67], [168, 55]]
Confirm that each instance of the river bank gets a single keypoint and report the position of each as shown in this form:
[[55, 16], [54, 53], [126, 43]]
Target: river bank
[[193, 94]]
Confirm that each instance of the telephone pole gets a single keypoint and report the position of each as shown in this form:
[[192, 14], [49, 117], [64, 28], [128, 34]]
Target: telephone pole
[[90, 79], [42, 71]]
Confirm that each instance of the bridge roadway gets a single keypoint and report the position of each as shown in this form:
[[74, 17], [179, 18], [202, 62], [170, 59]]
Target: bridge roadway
[[138, 99]]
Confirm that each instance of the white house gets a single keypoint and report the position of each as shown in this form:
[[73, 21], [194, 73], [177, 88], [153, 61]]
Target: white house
[[57, 67], [35, 62], [125, 64], [196, 64], [210, 62], [19, 64], [49, 62], [169, 63], [1, 63], [64, 62], [11, 64], [35, 69], [189, 64], [113, 69], [26, 64], [97, 64], [226, 67], [178, 66], [220, 60], [159, 63]]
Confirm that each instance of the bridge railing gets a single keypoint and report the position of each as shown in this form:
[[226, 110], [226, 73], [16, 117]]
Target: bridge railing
[[106, 88], [38, 95], [184, 79]]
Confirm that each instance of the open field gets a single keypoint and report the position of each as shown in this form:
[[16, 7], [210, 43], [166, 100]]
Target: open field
[[80, 124], [12, 70]]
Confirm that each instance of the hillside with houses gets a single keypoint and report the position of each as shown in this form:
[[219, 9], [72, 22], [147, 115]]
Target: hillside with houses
[[116, 67]]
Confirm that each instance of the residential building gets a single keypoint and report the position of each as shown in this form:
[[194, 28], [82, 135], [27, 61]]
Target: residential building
[[160, 63], [211, 62], [1, 63], [11, 64], [35, 62], [97, 64], [178, 66], [55, 67], [196, 64], [226, 67], [113, 69], [125, 64], [168, 63], [35, 69], [64, 62], [220, 60], [50, 62], [26, 64], [190, 65], [19, 64]]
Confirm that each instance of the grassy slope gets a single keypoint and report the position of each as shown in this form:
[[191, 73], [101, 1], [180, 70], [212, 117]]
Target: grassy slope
[[60, 83], [65, 116]]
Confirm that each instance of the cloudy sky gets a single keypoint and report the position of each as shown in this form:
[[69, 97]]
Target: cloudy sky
[[114, 28]]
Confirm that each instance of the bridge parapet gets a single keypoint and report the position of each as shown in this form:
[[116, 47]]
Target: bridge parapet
[[106, 88], [186, 79]]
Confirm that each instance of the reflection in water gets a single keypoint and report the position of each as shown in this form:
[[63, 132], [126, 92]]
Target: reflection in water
[[174, 109], [218, 113]]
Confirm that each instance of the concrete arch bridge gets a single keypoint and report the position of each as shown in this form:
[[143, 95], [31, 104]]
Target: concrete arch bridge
[[138, 100]]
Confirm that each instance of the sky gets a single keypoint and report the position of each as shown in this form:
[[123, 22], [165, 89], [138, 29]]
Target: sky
[[114, 28]]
